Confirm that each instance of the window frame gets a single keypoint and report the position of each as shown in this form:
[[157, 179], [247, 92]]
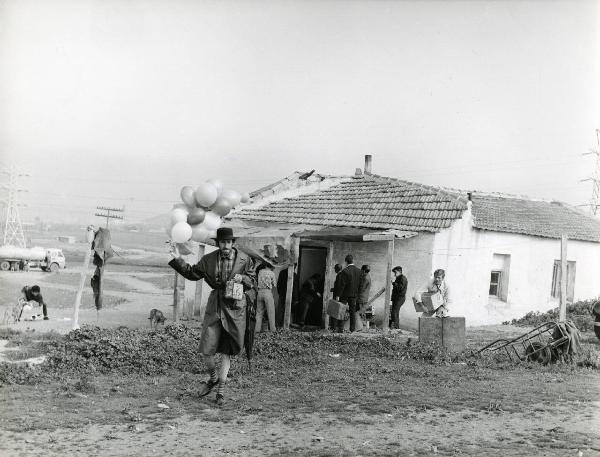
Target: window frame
[[498, 284]]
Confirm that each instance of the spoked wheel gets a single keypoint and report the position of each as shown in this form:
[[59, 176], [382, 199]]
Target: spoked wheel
[[54, 267], [538, 352], [4, 265]]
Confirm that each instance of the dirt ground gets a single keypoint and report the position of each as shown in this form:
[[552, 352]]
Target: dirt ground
[[339, 405]]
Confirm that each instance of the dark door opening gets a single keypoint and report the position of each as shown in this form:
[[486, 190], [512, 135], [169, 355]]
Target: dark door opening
[[312, 262]]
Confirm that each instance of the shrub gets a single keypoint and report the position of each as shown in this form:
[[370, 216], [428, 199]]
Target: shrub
[[578, 312]]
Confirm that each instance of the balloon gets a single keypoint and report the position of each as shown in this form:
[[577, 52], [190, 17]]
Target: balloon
[[206, 194], [178, 215], [212, 221], [245, 197], [212, 234], [181, 232], [200, 233], [222, 206], [187, 196], [233, 196], [217, 183], [196, 216]]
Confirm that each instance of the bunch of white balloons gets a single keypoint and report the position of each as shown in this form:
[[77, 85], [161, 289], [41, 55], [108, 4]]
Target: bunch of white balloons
[[199, 216]]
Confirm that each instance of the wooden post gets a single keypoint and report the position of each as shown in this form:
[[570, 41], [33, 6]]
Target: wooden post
[[327, 284], [294, 255], [198, 293], [89, 236], [562, 314], [388, 286], [288, 297], [176, 298]]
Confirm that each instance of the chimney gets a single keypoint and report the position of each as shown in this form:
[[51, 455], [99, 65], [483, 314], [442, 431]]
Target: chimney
[[368, 161], [358, 172]]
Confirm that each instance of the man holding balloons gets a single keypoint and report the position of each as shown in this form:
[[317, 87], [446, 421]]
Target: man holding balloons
[[224, 323]]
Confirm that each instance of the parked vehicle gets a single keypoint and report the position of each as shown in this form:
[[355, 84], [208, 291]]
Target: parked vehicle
[[15, 258]]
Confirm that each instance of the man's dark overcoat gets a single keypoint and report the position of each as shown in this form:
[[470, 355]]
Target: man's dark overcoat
[[222, 314]]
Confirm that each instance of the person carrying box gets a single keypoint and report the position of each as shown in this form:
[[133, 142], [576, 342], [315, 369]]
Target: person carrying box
[[433, 299]]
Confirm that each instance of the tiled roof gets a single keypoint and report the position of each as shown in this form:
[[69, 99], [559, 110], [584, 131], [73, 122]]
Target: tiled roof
[[532, 217], [294, 180], [367, 201], [377, 202]]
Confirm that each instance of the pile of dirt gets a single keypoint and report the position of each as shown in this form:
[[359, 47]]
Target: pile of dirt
[[93, 349], [578, 312]]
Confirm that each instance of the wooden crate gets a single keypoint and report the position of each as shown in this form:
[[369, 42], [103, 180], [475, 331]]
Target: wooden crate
[[447, 332]]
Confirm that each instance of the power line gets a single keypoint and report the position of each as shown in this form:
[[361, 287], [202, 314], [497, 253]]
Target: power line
[[13, 229], [594, 203], [107, 213]]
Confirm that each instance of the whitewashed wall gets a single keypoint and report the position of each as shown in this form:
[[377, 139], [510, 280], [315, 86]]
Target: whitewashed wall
[[467, 254]]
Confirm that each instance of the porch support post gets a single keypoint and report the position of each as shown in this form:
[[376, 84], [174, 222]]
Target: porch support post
[[327, 284], [388, 286]]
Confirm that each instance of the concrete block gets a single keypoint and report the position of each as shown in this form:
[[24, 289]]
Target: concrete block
[[447, 332]]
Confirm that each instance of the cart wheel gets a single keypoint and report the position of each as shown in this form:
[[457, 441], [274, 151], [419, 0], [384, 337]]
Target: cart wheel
[[543, 354], [4, 265], [597, 327]]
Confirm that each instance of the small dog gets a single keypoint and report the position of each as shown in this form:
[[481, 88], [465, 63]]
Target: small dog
[[156, 317]]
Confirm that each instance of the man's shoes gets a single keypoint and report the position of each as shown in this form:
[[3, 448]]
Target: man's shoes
[[220, 400], [206, 387], [46, 318]]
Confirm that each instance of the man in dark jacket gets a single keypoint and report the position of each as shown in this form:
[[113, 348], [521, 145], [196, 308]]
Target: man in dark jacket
[[399, 286], [224, 323], [346, 290]]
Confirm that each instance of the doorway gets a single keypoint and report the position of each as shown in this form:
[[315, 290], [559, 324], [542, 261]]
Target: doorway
[[312, 261]]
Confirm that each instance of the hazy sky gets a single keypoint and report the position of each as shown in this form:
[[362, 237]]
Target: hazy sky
[[123, 102]]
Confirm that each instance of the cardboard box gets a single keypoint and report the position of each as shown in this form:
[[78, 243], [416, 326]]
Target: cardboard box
[[446, 332], [431, 301], [337, 310]]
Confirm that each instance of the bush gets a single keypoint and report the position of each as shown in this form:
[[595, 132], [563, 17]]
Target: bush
[[578, 312]]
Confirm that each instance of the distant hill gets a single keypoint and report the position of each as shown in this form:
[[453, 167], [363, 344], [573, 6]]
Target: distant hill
[[158, 221]]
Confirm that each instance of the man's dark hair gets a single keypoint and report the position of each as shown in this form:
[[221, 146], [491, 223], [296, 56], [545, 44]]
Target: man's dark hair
[[365, 268], [35, 288], [439, 272], [397, 268], [337, 268], [349, 259]]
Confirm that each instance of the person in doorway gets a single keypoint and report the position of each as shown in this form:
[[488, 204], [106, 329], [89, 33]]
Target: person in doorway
[[265, 300], [346, 291], [33, 294], [399, 286], [224, 322], [309, 293], [437, 285]]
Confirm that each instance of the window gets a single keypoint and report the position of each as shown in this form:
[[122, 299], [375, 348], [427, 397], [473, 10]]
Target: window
[[555, 292], [498, 288], [495, 283]]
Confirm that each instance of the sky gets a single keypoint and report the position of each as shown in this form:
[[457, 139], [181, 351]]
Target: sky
[[121, 103]]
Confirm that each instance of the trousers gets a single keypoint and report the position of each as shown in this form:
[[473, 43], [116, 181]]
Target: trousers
[[396, 305], [265, 301]]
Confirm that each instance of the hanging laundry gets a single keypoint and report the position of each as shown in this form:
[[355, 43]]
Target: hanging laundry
[[102, 252]]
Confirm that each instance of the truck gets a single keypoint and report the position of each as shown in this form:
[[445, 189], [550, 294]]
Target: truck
[[16, 258]]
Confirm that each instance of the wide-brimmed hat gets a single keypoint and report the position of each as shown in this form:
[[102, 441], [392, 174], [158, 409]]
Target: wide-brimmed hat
[[224, 233]]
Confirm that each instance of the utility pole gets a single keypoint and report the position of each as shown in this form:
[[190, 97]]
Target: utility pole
[[109, 213], [595, 178], [12, 227], [562, 312]]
